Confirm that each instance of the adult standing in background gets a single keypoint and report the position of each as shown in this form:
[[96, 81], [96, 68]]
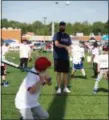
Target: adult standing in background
[[25, 54], [61, 48]]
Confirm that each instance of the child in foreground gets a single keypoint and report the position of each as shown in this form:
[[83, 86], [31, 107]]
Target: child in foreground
[[26, 100]]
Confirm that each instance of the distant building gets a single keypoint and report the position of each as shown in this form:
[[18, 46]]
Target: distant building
[[10, 33], [32, 37], [86, 38], [79, 34]]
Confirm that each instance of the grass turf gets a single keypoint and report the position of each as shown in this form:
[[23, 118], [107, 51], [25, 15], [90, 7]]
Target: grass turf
[[79, 104]]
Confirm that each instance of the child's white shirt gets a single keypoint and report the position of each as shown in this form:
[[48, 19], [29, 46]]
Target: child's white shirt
[[95, 52], [82, 52], [24, 99], [90, 48], [102, 60], [3, 51], [76, 53], [24, 51]]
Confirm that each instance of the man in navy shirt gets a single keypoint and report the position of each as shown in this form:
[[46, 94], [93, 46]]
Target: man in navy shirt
[[61, 48]]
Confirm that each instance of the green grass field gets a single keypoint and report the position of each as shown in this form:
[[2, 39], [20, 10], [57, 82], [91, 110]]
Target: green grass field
[[79, 104]]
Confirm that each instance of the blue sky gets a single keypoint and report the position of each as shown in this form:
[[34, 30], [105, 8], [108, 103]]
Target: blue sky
[[30, 11]]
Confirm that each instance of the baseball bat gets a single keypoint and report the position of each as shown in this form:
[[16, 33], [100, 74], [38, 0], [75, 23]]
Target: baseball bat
[[24, 69], [18, 67]]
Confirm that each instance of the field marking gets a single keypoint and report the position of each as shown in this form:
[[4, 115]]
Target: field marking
[[61, 94]]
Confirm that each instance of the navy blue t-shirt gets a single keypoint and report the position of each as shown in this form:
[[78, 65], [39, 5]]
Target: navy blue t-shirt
[[61, 53]]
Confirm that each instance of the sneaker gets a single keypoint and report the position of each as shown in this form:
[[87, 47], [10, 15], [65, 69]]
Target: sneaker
[[72, 76], [66, 90], [94, 91], [2, 84], [85, 77], [6, 84], [21, 118], [59, 91], [94, 76]]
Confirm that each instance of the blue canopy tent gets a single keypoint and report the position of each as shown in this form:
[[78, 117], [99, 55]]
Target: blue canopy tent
[[105, 37], [8, 41]]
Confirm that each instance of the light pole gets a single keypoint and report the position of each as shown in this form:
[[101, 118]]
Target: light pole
[[53, 23], [52, 33], [44, 26]]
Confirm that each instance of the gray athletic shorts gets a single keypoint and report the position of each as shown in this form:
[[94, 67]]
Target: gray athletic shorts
[[34, 113]]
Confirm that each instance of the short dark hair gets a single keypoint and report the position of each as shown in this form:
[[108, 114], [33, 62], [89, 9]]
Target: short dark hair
[[105, 47], [62, 23], [95, 44]]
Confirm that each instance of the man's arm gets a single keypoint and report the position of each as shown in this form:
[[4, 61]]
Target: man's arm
[[57, 44], [93, 56], [70, 46], [98, 67], [29, 53], [70, 50]]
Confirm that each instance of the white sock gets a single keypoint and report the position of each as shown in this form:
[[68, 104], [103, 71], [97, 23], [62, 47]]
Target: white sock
[[83, 72], [96, 85], [97, 81]]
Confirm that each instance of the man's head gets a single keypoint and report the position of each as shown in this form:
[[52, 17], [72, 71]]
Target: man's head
[[105, 48], [24, 41], [81, 44], [95, 44], [62, 26]]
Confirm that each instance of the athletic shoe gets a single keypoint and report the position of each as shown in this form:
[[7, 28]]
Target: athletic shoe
[[59, 91], [94, 76], [85, 77], [66, 90], [72, 76], [2, 83], [6, 84], [21, 118], [94, 91]]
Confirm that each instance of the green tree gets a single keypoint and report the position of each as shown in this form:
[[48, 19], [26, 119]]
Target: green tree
[[77, 27], [4, 23], [98, 27], [69, 28], [86, 28], [40, 29]]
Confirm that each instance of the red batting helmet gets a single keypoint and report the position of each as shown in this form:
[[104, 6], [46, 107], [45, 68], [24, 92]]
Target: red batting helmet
[[42, 63]]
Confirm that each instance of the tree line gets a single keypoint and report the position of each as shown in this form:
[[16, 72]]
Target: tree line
[[72, 28]]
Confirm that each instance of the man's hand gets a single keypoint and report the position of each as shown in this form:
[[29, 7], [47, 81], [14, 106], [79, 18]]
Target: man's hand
[[68, 49], [30, 59], [57, 44], [106, 75], [98, 71]]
